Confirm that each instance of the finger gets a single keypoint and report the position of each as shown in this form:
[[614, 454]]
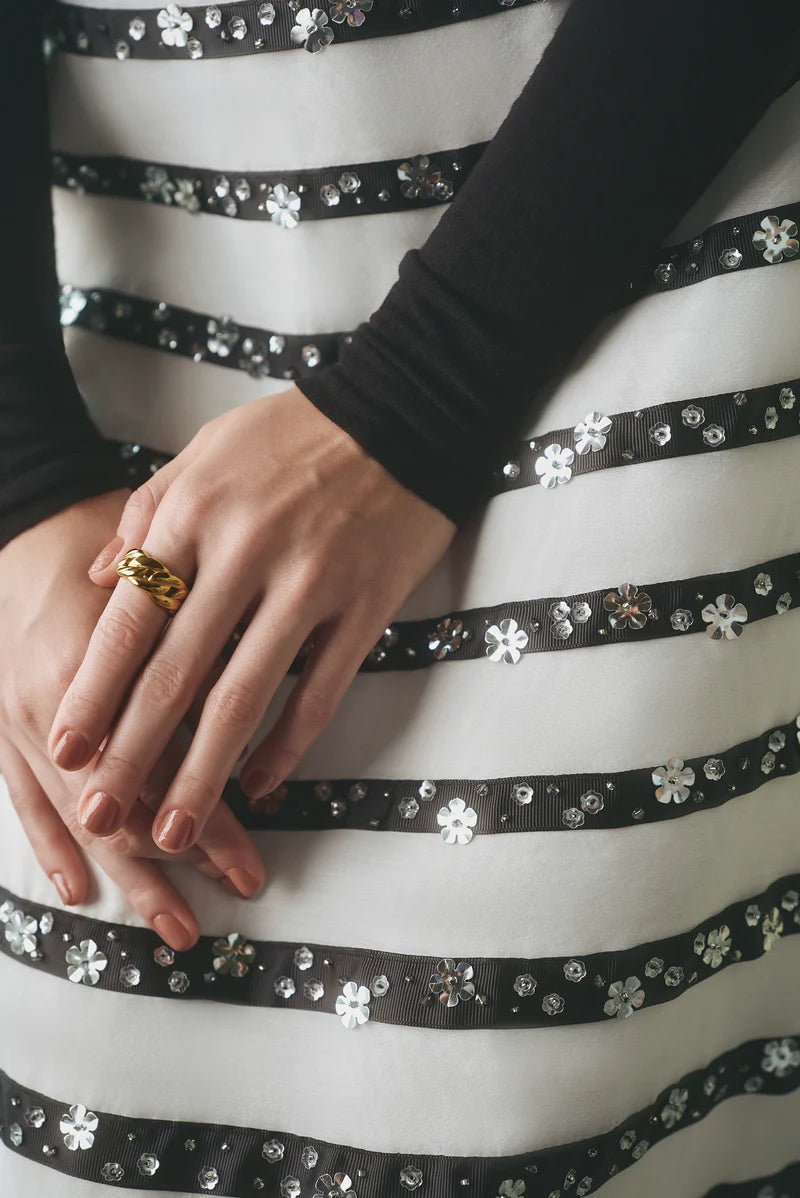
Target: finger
[[55, 849], [331, 667], [134, 522], [159, 903], [134, 840], [232, 713], [157, 702], [123, 637], [227, 849]]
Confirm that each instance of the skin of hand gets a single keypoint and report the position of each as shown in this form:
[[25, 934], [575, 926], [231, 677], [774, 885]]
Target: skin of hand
[[48, 610], [274, 516]]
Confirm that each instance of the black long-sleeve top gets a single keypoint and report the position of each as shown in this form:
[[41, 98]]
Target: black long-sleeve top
[[631, 112]]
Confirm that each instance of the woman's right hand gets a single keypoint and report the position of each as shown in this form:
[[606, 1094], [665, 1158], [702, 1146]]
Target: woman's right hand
[[48, 611]]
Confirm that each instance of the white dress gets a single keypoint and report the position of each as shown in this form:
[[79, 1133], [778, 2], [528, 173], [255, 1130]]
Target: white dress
[[671, 1068]]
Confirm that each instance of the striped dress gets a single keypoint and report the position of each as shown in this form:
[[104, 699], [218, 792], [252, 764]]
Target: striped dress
[[530, 927]]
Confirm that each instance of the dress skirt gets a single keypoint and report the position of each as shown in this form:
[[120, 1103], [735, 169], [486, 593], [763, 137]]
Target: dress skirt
[[530, 925]]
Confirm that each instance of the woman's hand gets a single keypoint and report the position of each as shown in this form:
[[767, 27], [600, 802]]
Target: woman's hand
[[271, 514], [48, 608]]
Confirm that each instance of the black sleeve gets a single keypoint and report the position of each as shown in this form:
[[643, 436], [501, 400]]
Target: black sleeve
[[51, 454], [633, 109]]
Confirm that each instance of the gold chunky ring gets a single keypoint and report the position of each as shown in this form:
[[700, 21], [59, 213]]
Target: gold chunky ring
[[163, 587]]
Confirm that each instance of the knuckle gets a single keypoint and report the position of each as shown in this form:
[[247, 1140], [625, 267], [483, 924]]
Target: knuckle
[[164, 679], [141, 503], [119, 773], [117, 632], [314, 707], [234, 705], [195, 793], [120, 844]]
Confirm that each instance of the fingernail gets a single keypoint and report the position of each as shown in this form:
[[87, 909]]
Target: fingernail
[[100, 814], [228, 885], [71, 750], [257, 784], [176, 934], [245, 882], [176, 831], [107, 554], [60, 883], [210, 870]]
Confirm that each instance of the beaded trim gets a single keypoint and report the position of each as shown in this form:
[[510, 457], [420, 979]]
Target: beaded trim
[[282, 197], [236, 1161], [250, 26], [359, 985], [525, 803]]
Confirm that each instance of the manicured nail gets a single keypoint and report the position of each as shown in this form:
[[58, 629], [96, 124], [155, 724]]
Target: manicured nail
[[71, 750], [228, 885], [245, 882], [257, 784], [106, 555], [176, 831], [100, 814], [176, 934], [61, 885]]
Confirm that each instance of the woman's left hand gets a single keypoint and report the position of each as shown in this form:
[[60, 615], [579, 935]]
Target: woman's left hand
[[274, 515]]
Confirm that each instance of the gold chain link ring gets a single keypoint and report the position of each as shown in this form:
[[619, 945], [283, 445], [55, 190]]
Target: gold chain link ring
[[151, 575]]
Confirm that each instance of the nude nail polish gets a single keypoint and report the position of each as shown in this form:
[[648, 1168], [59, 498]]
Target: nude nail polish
[[176, 831], [71, 750], [176, 934], [62, 886], [100, 814]]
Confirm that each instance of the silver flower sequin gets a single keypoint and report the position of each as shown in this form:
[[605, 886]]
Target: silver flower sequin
[[233, 955], [628, 607], [681, 619], [338, 1186], [447, 638], [772, 928], [660, 434], [282, 204], [724, 619], [311, 30], [223, 334], [511, 1189], [411, 1177], [175, 25], [554, 466], [112, 1171], [452, 982], [762, 584], [714, 435], [591, 432], [781, 1057], [422, 179], [505, 642], [457, 821], [673, 781], [675, 1109], [718, 945], [352, 1005], [624, 998], [351, 11], [776, 239], [20, 933], [714, 769], [148, 1164], [85, 962], [77, 1127], [208, 1178], [72, 301], [693, 415]]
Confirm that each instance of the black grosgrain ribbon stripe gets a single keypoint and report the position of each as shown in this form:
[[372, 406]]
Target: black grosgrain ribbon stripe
[[457, 993], [527, 803], [241, 27], [784, 1184], [196, 1158], [360, 189]]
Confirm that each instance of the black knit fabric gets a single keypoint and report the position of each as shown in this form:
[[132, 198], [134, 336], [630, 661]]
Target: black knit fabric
[[631, 112]]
